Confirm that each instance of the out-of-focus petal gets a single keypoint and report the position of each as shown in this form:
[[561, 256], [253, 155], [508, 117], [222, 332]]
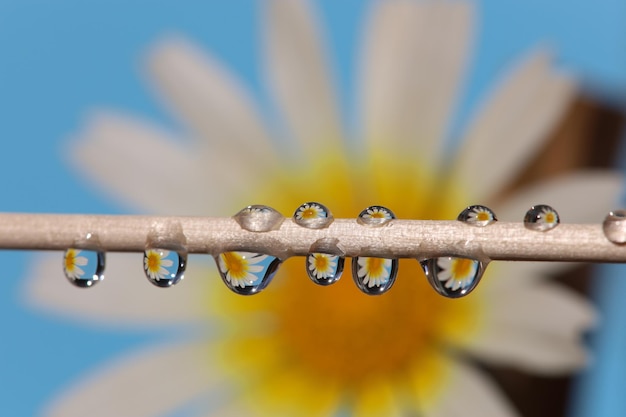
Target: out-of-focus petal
[[471, 394], [145, 384], [298, 74], [512, 125], [414, 55], [125, 298], [287, 393], [208, 99], [578, 197], [140, 164], [535, 328], [378, 398]]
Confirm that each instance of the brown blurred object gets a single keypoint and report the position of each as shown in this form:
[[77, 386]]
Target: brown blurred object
[[587, 137]]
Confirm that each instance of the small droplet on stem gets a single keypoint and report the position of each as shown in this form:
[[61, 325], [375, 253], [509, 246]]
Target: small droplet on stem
[[541, 218], [477, 215], [324, 269], [83, 268], [453, 277], [313, 216], [258, 218], [246, 273], [164, 267], [614, 226]]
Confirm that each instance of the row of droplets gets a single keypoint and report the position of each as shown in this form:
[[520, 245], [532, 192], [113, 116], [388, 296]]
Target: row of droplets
[[248, 273]]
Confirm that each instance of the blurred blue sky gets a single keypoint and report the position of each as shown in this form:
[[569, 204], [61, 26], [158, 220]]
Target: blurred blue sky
[[61, 59]]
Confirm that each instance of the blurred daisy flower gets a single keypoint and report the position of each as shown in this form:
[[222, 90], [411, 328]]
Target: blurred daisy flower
[[307, 350]]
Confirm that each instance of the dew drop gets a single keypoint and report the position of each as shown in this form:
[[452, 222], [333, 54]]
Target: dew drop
[[258, 218], [83, 268], [453, 277], [375, 216], [313, 216], [163, 267], [541, 218], [323, 268], [246, 273], [477, 216], [374, 276], [614, 226]]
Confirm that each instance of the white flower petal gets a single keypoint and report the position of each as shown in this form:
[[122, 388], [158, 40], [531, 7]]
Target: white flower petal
[[578, 197], [414, 55], [512, 125], [145, 384], [125, 298], [535, 328], [211, 102], [141, 165], [298, 72], [471, 394]]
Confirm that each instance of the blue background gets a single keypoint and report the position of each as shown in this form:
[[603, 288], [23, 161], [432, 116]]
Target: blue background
[[61, 59]]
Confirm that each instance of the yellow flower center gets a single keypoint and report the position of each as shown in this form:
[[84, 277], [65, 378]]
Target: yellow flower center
[[154, 262], [70, 260], [375, 267], [309, 213], [378, 215], [337, 335], [236, 265], [461, 268], [549, 217], [321, 263], [482, 216]]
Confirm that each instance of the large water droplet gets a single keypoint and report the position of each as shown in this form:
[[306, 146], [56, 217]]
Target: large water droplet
[[375, 216], [83, 268], [163, 267], [453, 277], [259, 218], [541, 218], [313, 216], [374, 276], [614, 226], [246, 273], [323, 268], [477, 216]]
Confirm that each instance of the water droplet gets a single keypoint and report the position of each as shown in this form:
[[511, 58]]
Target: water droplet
[[375, 216], [313, 216], [453, 277], [246, 273], [259, 218], [374, 276], [614, 226], [541, 218], [477, 216], [323, 268], [83, 268], [163, 267]]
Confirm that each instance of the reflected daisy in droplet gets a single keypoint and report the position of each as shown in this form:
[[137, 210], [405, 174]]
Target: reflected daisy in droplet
[[156, 265], [542, 218], [72, 263], [310, 211], [374, 271], [322, 265], [290, 351], [477, 215], [241, 269], [377, 213], [457, 273]]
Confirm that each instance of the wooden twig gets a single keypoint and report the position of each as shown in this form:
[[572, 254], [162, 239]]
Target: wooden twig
[[398, 239]]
